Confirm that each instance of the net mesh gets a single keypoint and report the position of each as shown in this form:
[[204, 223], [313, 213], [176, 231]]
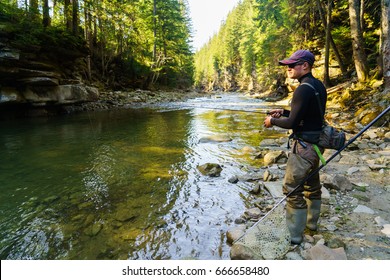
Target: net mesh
[[269, 238]]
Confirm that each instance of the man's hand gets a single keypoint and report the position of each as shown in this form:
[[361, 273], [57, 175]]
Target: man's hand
[[267, 122], [277, 113]]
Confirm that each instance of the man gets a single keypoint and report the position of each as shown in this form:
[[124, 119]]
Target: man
[[303, 205]]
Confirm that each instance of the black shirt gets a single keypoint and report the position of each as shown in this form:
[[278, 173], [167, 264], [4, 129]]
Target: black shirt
[[305, 114]]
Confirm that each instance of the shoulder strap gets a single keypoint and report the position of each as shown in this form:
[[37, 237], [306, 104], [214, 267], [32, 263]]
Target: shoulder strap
[[317, 96]]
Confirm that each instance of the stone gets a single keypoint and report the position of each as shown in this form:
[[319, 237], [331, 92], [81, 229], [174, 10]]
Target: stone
[[380, 221], [322, 252], [274, 157], [240, 252], [274, 188], [215, 139], [210, 169], [386, 230], [234, 233], [233, 180], [253, 213], [363, 209]]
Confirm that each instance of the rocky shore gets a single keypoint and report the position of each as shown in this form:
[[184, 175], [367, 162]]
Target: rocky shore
[[355, 215]]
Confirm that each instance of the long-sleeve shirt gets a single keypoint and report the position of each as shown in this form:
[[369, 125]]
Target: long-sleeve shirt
[[305, 114]]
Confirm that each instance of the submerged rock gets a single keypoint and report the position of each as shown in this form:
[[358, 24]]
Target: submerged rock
[[210, 169]]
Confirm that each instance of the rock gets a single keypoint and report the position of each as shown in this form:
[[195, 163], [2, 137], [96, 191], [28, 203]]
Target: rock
[[125, 215], [293, 256], [274, 157], [240, 252], [215, 139], [269, 143], [386, 230], [274, 188], [233, 180], [321, 252], [363, 209], [253, 213], [94, 229], [336, 243], [257, 188], [235, 233], [380, 221], [339, 183], [210, 169]]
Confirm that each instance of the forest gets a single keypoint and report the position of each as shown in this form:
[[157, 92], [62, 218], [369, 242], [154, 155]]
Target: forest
[[346, 35], [147, 43]]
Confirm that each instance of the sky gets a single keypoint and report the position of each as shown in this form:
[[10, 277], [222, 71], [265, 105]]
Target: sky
[[207, 16]]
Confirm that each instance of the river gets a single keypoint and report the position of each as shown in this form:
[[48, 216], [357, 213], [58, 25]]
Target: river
[[124, 184]]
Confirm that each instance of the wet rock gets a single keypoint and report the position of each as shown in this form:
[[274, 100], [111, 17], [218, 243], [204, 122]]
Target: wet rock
[[240, 252], [233, 180], [215, 139], [210, 169], [94, 229], [235, 233], [257, 188], [125, 215]]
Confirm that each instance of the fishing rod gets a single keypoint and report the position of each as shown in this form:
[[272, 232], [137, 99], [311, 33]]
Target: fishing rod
[[311, 174], [225, 109]]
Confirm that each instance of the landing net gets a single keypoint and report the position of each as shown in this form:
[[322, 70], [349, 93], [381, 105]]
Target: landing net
[[269, 238]]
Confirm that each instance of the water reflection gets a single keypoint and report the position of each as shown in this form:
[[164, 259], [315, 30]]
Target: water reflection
[[123, 184]]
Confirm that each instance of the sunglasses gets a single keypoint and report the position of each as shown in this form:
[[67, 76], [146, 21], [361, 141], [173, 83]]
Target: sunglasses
[[295, 64]]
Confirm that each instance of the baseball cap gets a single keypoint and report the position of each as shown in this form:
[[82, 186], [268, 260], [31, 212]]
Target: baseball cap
[[300, 55]]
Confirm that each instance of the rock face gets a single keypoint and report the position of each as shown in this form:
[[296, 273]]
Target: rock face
[[41, 76]]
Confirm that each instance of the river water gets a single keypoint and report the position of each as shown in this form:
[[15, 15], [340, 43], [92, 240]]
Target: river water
[[124, 184]]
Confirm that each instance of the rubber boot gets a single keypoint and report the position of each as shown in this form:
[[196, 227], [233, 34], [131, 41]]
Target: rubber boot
[[296, 223], [313, 213]]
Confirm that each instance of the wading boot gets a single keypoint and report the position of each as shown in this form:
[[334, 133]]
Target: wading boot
[[313, 213], [296, 223]]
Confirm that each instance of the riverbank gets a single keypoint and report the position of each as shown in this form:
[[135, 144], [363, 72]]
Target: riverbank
[[355, 213]]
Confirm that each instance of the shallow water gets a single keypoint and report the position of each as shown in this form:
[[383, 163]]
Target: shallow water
[[124, 184]]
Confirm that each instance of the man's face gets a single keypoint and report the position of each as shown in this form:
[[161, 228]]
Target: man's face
[[297, 70]]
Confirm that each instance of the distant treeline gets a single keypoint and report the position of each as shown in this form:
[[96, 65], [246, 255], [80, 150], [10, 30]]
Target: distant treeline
[[147, 43], [348, 36]]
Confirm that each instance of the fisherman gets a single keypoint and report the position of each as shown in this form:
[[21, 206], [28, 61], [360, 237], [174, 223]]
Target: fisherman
[[305, 115]]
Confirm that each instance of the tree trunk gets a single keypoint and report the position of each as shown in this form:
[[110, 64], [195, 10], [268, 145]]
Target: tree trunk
[[75, 17], [359, 54], [385, 43], [154, 30], [88, 35], [327, 43], [33, 9], [332, 43], [67, 14], [46, 14]]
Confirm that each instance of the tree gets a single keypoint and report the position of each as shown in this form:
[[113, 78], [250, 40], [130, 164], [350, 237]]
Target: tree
[[359, 54], [46, 15], [385, 42]]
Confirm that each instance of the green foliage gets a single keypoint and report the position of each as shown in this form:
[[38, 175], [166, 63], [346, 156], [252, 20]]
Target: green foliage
[[258, 33], [120, 35]]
